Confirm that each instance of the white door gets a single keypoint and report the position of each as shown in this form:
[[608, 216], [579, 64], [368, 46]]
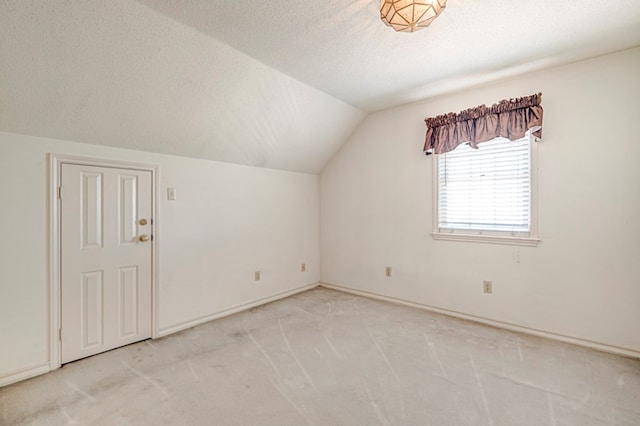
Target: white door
[[106, 232]]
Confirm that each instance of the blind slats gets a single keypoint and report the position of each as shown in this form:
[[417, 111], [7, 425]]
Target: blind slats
[[488, 189]]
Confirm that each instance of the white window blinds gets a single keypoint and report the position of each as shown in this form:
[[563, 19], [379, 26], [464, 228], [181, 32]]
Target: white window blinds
[[486, 189]]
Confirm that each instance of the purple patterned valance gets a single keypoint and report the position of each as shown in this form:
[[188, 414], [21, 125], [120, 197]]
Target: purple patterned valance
[[509, 118]]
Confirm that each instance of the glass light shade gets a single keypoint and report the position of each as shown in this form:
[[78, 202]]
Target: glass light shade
[[410, 15]]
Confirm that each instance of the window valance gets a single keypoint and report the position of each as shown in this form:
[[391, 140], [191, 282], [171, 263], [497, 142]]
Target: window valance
[[509, 118]]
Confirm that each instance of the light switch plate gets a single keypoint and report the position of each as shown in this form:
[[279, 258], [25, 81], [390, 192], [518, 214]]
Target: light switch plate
[[171, 194]]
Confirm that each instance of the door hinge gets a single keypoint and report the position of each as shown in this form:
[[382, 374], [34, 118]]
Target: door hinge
[[59, 193], [60, 335], [151, 237]]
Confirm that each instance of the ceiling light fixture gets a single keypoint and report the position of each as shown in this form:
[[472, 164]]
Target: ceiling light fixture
[[410, 15]]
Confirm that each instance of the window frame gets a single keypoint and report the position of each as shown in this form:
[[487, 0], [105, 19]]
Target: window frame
[[487, 236]]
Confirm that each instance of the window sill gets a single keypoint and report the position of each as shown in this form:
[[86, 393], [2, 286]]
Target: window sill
[[490, 239]]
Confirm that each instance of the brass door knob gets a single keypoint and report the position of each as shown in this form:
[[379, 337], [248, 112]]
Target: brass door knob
[[144, 238], [142, 222]]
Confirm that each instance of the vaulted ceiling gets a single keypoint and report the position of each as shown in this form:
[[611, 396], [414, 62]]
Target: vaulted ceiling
[[279, 84]]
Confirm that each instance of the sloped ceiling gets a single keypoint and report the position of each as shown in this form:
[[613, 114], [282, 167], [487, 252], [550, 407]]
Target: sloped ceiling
[[342, 48], [279, 84], [120, 74]]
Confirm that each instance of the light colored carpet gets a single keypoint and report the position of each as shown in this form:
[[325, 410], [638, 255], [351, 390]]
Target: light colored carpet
[[329, 358]]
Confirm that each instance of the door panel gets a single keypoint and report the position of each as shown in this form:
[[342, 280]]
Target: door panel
[[128, 301], [91, 210], [92, 299], [105, 267], [128, 209]]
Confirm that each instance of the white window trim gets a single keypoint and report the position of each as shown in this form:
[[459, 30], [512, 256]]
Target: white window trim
[[491, 237]]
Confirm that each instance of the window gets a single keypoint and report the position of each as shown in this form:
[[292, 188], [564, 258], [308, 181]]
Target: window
[[487, 194]]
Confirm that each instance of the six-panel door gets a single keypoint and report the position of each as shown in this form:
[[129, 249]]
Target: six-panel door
[[106, 258]]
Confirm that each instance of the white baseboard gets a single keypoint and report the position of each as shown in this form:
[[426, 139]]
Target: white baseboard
[[233, 310], [24, 373], [628, 352], [42, 368]]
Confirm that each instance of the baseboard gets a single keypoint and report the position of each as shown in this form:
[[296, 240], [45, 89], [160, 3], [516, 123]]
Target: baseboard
[[233, 310], [627, 352], [43, 368], [24, 373]]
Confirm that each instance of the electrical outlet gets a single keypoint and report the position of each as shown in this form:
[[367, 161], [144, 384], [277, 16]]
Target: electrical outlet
[[487, 286], [303, 267], [256, 276], [387, 271]]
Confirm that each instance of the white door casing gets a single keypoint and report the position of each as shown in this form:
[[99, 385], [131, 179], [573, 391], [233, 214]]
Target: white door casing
[[105, 269]]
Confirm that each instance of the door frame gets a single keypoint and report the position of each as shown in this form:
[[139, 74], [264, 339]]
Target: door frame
[[55, 170]]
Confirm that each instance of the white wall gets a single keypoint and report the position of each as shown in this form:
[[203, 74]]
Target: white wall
[[583, 280], [229, 221]]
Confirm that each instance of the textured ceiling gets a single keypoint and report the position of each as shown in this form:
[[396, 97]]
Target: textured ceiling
[[342, 48], [279, 84], [120, 74]]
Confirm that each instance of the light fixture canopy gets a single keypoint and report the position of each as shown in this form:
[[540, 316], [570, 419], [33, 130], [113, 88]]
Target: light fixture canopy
[[410, 15]]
